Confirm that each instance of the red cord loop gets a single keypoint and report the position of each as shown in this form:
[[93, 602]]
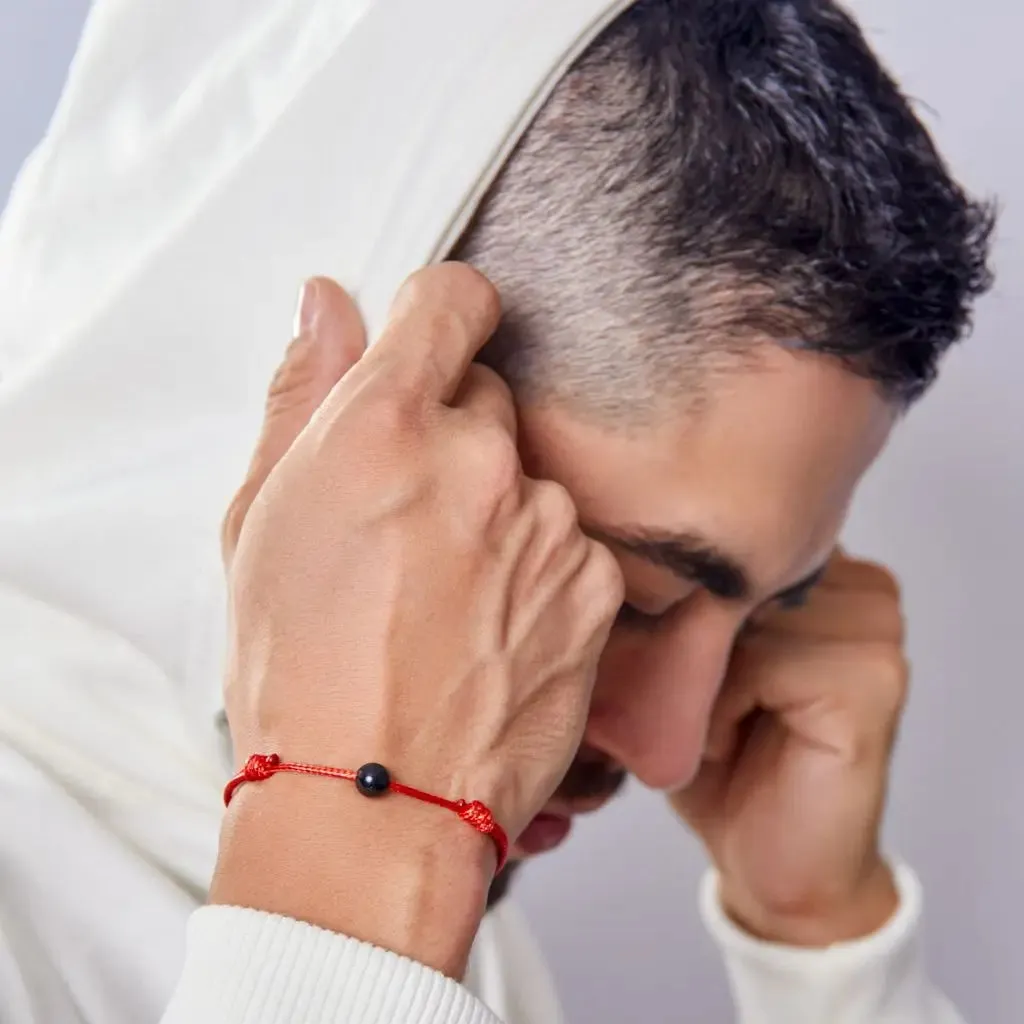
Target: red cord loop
[[261, 766]]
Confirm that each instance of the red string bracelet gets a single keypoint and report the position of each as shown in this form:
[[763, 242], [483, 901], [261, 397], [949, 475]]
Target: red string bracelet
[[374, 780]]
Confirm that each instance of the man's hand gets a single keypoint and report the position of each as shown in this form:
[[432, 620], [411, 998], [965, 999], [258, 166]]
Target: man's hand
[[790, 798], [400, 592]]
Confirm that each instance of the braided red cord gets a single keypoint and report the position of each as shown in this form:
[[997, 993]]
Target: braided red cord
[[473, 812]]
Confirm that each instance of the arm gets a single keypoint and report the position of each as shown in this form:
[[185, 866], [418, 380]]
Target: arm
[[398, 874], [398, 592], [244, 965], [814, 925]]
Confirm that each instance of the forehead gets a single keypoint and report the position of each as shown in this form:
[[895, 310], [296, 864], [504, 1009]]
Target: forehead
[[764, 469]]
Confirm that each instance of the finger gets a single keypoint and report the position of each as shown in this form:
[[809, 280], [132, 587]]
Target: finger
[[833, 613], [736, 701], [442, 317], [486, 397], [783, 676], [858, 573], [329, 340], [598, 583], [768, 673], [606, 590]]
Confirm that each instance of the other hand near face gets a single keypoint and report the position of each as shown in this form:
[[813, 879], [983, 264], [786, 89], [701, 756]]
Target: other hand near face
[[790, 796]]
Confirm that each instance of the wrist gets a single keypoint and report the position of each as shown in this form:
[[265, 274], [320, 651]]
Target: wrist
[[862, 910], [402, 875]]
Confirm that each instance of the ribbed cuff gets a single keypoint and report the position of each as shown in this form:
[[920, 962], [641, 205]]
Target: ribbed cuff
[[247, 967], [878, 979]]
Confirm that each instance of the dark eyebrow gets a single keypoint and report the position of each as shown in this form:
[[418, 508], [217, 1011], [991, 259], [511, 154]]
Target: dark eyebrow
[[692, 558], [688, 556]]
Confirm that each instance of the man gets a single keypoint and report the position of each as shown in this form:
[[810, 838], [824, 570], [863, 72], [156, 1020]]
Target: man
[[729, 258]]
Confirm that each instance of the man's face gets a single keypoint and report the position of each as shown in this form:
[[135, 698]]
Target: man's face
[[712, 515]]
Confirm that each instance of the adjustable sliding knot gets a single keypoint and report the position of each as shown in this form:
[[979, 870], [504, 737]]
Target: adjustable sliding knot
[[478, 815], [260, 767]]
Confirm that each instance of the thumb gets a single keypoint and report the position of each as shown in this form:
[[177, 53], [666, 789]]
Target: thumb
[[737, 699], [329, 341]]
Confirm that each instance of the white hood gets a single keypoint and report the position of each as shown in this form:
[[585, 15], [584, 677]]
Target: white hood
[[243, 145], [205, 159]]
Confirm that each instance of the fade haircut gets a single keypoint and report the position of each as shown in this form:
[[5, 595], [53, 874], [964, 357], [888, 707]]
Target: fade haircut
[[712, 173]]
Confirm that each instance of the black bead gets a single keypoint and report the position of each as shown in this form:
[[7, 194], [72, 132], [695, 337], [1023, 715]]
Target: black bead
[[373, 779]]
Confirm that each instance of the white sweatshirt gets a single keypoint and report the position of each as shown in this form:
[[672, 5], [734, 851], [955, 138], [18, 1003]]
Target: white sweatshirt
[[93, 921], [246, 966], [205, 158]]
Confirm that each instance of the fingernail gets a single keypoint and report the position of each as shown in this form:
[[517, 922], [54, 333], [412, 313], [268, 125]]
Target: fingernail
[[308, 308]]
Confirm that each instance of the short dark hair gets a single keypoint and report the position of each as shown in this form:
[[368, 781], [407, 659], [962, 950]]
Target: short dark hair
[[712, 172]]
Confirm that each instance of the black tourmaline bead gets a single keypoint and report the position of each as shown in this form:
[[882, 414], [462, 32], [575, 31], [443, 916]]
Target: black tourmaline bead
[[372, 780]]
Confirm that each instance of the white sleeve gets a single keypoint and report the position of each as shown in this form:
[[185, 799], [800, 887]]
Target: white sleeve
[[880, 979], [248, 967]]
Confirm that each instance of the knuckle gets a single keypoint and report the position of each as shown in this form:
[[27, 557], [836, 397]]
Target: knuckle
[[392, 415], [470, 287], [880, 608], [483, 379], [489, 460], [894, 624], [486, 300], [609, 572], [420, 368], [606, 578], [886, 581], [416, 287], [498, 455], [879, 578], [457, 288], [556, 505], [891, 671], [442, 322]]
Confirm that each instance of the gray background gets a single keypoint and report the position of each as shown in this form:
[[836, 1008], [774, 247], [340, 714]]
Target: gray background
[[614, 909]]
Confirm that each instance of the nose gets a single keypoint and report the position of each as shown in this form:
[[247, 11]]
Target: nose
[[654, 696]]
